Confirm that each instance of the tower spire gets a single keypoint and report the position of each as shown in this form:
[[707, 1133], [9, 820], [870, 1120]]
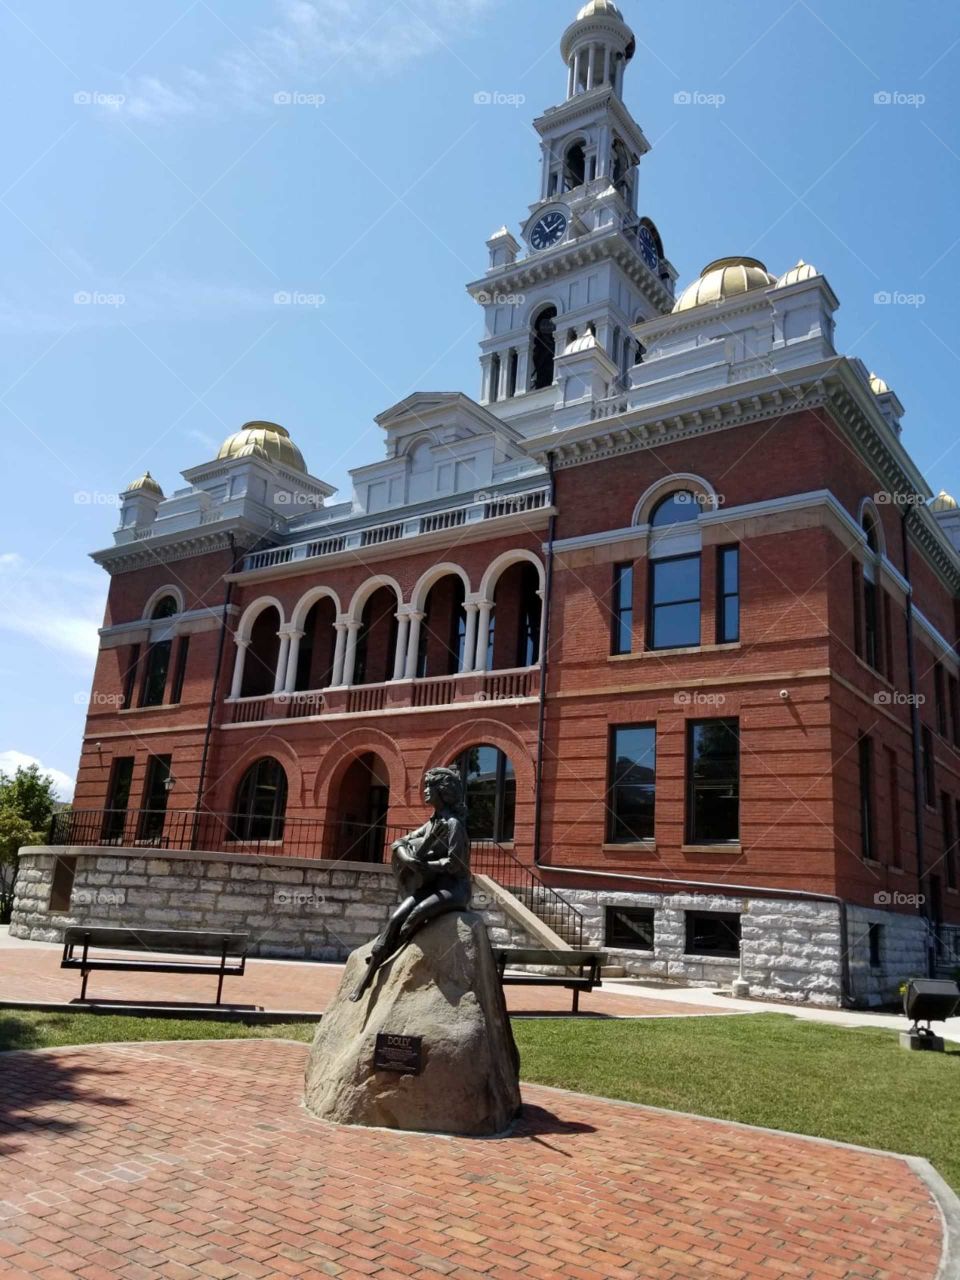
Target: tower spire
[[596, 47]]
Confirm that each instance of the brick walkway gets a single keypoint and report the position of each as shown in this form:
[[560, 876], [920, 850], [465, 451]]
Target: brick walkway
[[196, 1160], [34, 973]]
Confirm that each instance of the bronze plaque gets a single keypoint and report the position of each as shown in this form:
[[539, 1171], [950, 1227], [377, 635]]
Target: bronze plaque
[[398, 1053]]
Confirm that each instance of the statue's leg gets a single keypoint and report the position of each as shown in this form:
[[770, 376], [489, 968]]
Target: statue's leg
[[436, 904], [385, 944]]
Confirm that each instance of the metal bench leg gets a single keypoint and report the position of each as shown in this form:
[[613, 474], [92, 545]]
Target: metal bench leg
[[576, 999], [85, 972], [223, 965]]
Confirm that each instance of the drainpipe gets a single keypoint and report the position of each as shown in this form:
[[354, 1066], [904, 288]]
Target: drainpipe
[[919, 797], [542, 708], [798, 895]]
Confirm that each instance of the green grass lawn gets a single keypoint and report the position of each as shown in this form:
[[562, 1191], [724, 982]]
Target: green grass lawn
[[764, 1069]]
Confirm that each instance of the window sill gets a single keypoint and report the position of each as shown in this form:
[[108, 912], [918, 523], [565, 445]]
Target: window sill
[[711, 955], [629, 846], [160, 706], [680, 652], [733, 847]]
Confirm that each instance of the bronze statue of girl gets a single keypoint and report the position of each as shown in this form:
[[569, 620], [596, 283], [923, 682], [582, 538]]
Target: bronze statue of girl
[[432, 869]]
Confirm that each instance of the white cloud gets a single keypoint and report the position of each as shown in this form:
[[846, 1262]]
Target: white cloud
[[61, 611], [310, 39], [10, 761]]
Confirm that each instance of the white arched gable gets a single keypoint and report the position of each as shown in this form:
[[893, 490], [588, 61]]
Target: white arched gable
[[669, 484], [542, 304], [306, 602], [503, 562], [158, 595], [868, 512], [366, 590], [418, 596], [253, 612]]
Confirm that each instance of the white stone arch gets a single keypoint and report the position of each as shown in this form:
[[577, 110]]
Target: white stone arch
[[542, 304], [418, 596], [306, 602], [366, 590], [661, 489], [253, 611], [869, 513], [243, 637], [158, 595], [503, 562]]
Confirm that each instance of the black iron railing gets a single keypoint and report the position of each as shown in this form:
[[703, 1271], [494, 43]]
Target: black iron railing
[[265, 835]]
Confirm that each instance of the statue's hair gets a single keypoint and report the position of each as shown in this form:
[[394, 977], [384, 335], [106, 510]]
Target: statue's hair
[[450, 785]]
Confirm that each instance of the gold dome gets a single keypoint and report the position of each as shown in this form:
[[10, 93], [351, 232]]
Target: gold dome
[[943, 502], [146, 484], [802, 271], [595, 7], [726, 278], [878, 386], [264, 440]]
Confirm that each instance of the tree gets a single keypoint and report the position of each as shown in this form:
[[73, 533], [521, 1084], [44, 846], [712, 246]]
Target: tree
[[27, 803]]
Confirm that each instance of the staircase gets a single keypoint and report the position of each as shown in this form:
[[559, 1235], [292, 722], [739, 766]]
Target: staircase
[[522, 881], [552, 915]]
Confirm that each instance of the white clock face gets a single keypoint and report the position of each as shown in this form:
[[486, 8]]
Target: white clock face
[[548, 230]]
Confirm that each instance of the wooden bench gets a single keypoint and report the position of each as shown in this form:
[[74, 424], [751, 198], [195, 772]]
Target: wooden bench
[[586, 963], [153, 942]]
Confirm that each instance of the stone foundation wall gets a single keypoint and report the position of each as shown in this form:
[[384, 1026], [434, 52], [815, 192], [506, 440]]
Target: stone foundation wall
[[292, 909], [791, 949]]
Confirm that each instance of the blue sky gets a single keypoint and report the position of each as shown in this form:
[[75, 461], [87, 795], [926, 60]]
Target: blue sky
[[150, 169]]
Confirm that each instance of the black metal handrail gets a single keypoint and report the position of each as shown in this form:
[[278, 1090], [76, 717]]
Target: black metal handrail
[[266, 835]]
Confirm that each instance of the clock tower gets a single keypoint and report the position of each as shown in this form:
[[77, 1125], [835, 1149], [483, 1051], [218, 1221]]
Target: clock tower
[[558, 312]]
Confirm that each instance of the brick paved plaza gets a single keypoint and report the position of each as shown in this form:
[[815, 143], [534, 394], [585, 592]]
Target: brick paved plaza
[[193, 1160]]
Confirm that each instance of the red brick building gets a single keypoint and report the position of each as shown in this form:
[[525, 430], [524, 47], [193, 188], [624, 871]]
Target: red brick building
[[672, 592]]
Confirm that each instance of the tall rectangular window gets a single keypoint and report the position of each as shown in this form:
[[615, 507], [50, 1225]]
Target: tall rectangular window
[[955, 710], [893, 786], [857, 609], [180, 669], [867, 833], [622, 608], [675, 603], [155, 674], [130, 675], [632, 772], [118, 799], [154, 812], [728, 595], [713, 781], [871, 625], [889, 668], [949, 840], [940, 694], [929, 770]]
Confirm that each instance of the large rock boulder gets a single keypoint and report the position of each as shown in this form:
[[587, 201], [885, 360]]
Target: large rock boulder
[[443, 987]]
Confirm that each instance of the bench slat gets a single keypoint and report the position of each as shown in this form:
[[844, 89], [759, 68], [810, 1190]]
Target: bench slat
[[176, 941]]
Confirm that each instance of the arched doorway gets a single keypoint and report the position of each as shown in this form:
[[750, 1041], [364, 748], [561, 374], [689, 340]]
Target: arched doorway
[[544, 343], [263, 652], [359, 811], [377, 638]]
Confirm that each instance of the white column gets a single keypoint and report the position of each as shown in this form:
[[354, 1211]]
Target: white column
[[523, 371], [543, 627], [336, 678], [400, 656], [238, 665], [486, 364], [413, 644], [350, 657], [280, 675], [504, 375], [590, 62], [570, 81], [469, 637], [483, 631], [293, 656]]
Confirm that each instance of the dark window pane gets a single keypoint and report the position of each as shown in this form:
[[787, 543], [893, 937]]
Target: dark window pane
[[629, 928], [731, 620], [632, 783], [677, 509], [675, 603], [676, 580], [728, 595], [676, 626], [165, 607], [118, 799], [713, 782], [155, 797], [490, 787], [713, 933], [261, 802], [623, 608], [155, 679]]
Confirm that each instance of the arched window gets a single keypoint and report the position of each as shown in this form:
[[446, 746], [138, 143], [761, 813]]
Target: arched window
[[261, 802], [157, 663], [575, 167], [677, 508], [165, 607], [263, 653], [544, 347], [490, 786]]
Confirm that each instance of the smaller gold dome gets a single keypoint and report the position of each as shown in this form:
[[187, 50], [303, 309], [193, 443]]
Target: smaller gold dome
[[878, 386], [726, 278], [943, 502], [266, 440], [146, 484], [802, 271], [595, 7]]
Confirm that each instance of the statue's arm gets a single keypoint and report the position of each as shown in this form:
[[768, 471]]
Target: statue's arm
[[456, 859]]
